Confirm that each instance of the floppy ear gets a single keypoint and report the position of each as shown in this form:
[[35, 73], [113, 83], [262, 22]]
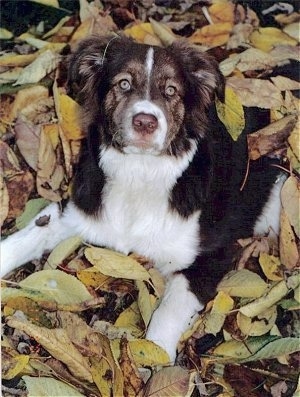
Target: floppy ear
[[202, 71], [86, 67]]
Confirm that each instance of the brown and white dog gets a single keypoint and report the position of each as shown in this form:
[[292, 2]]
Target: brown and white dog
[[158, 174]]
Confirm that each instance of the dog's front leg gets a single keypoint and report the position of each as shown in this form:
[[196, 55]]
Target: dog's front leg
[[43, 233], [173, 315]]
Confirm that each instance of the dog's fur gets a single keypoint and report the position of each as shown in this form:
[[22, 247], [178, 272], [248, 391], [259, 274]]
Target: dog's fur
[[158, 174]]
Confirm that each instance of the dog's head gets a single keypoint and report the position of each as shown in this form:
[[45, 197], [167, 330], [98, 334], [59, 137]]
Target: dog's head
[[144, 99]]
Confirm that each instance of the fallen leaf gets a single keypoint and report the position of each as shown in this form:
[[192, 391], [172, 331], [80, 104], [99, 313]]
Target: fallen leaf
[[242, 283], [58, 344], [26, 97], [13, 364], [171, 382], [11, 60], [289, 253], [163, 32], [271, 266], [270, 138], [259, 325], [19, 189], [290, 199], [32, 208], [256, 92], [231, 113], [222, 305], [49, 387], [28, 139], [222, 12], [115, 264], [145, 302], [284, 83], [132, 380], [146, 353], [4, 200], [212, 35], [143, 33], [272, 296], [62, 251], [292, 30], [58, 286], [267, 38], [131, 319], [45, 63]]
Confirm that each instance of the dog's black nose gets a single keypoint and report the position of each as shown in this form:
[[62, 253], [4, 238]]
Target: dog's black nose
[[144, 123]]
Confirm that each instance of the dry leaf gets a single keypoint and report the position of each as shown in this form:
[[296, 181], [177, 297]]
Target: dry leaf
[[131, 319], [45, 63], [143, 33], [4, 200], [231, 113], [271, 266], [259, 325], [62, 251], [171, 382], [212, 35], [256, 92], [132, 380], [267, 38], [115, 264], [270, 138], [273, 295], [146, 353], [222, 12], [13, 364], [242, 283], [49, 387], [290, 199], [289, 253], [58, 286], [222, 305], [57, 343], [28, 139], [163, 32]]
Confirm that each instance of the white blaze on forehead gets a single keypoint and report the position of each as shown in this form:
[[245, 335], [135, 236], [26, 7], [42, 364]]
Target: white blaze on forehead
[[149, 66]]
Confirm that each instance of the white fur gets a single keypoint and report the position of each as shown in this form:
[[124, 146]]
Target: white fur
[[149, 66], [135, 216], [269, 220], [174, 315], [155, 142]]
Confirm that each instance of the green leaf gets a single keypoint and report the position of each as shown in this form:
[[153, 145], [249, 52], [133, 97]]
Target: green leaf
[[276, 348], [48, 387], [57, 285], [32, 208]]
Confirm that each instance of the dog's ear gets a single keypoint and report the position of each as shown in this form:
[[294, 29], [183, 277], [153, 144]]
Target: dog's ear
[[202, 70], [86, 66]]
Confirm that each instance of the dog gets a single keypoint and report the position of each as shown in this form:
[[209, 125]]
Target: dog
[[158, 175]]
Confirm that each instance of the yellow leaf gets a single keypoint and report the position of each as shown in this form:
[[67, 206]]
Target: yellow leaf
[[290, 199], [68, 112], [221, 12], [273, 295], [259, 325], [131, 319], [94, 279], [45, 63], [212, 35], [267, 38], [51, 130], [231, 113], [115, 264], [222, 305], [43, 386], [142, 31], [62, 251], [147, 353], [289, 253], [17, 60], [163, 32], [270, 265], [58, 286], [51, 3], [58, 344], [5, 34], [12, 363], [144, 302], [243, 283]]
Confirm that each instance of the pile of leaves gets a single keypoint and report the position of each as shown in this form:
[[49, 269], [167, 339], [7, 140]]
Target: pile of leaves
[[74, 322]]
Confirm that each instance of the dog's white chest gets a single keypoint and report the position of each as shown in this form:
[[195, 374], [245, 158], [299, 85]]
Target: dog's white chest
[[135, 213]]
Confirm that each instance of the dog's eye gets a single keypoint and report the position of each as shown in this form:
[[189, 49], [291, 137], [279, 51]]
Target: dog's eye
[[170, 90], [124, 85]]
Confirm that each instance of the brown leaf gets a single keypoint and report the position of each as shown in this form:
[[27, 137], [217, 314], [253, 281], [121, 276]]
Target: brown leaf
[[244, 381], [19, 189], [170, 382], [289, 253], [28, 140], [256, 92], [132, 380], [271, 137]]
